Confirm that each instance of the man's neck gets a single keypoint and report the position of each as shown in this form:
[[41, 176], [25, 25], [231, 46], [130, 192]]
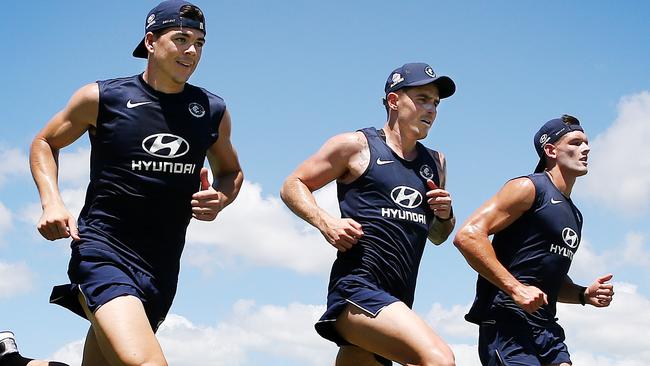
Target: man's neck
[[158, 83], [399, 141], [563, 182]]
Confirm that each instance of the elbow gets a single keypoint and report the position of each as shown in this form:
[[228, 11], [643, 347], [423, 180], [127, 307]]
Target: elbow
[[285, 189], [462, 238], [40, 146]]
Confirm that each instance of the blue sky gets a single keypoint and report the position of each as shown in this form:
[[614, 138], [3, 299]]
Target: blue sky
[[295, 73]]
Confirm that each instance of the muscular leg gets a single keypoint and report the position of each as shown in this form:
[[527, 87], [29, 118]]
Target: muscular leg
[[120, 335], [397, 333], [355, 356]]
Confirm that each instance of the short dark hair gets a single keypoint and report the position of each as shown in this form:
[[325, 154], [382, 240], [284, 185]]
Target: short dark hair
[[192, 12], [570, 120]]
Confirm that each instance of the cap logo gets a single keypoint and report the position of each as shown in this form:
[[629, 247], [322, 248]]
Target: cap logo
[[196, 110], [151, 20], [429, 71], [201, 26], [544, 139], [397, 78]]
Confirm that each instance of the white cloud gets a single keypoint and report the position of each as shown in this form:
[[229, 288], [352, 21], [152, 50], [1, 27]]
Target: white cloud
[[70, 353], [622, 155], [14, 163], [5, 221], [617, 334], [283, 332], [450, 323], [15, 279], [634, 252], [261, 230], [587, 264]]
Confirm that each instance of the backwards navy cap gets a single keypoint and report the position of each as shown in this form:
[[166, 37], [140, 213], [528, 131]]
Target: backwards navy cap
[[416, 74], [550, 132], [167, 14]]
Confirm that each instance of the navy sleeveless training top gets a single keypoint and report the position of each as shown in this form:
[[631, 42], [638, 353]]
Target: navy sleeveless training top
[[389, 201], [147, 151], [537, 249]]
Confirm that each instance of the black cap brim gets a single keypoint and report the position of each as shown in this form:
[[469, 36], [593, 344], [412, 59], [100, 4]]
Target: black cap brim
[[541, 166], [446, 86], [141, 51]]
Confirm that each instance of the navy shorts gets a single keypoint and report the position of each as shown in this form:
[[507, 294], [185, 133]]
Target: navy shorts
[[361, 293], [516, 342], [102, 275]]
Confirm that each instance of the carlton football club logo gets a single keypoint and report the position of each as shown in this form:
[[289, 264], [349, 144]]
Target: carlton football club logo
[[396, 79], [426, 172], [165, 145], [196, 110], [570, 237], [429, 71], [406, 197]]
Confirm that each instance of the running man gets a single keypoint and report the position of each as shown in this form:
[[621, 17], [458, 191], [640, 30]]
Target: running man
[[150, 134], [392, 196], [523, 272]]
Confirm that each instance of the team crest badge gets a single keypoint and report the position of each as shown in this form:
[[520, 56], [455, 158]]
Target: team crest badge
[[397, 78], [426, 172], [197, 110], [429, 71]]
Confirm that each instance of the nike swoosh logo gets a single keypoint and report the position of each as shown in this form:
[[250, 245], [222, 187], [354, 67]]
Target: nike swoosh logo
[[133, 105], [554, 201], [383, 162]]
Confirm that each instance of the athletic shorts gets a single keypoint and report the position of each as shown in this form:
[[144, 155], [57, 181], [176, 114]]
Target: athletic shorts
[[361, 293], [516, 342], [102, 275]]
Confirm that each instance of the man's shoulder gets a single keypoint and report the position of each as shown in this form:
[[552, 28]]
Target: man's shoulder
[[193, 89], [112, 82]]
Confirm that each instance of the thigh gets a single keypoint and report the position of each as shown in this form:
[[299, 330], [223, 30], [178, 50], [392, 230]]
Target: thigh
[[122, 333], [396, 333], [355, 356]]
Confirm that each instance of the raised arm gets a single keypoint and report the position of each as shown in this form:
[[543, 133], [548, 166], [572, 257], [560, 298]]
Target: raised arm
[[63, 129], [440, 202], [227, 173], [342, 157], [515, 198]]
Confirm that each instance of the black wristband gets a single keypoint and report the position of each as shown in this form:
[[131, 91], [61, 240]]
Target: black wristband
[[581, 295]]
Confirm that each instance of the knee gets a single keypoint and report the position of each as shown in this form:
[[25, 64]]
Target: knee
[[153, 363], [440, 357], [156, 361]]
